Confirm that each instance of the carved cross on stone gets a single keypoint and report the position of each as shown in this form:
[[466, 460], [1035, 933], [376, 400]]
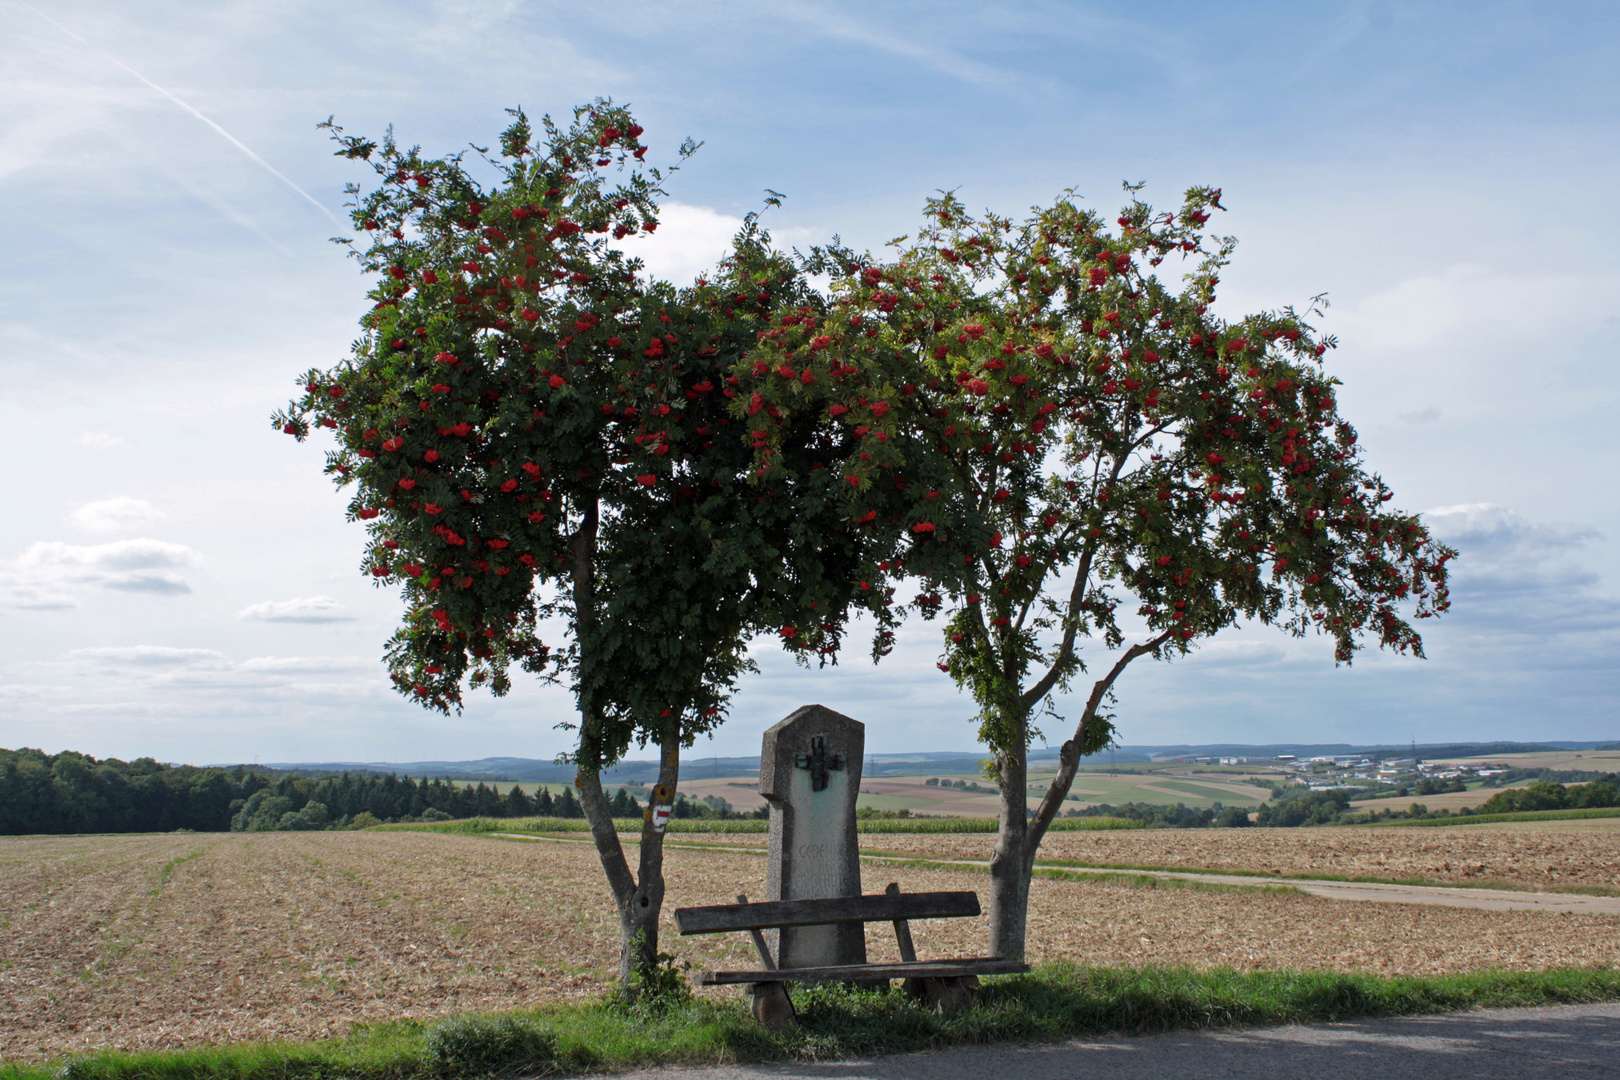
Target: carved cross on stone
[[818, 762]]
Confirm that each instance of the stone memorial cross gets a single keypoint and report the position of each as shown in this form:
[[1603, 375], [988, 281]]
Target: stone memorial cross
[[810, 772]]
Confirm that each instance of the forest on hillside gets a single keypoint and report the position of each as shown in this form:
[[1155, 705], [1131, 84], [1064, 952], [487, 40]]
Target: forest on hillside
[[76, 793]]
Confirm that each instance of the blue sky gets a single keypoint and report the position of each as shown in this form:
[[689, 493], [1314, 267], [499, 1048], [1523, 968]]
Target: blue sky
[[177, 580]]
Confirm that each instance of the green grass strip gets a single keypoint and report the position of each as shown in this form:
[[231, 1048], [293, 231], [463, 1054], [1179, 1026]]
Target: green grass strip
[[1491, 819], [1055, 1001]]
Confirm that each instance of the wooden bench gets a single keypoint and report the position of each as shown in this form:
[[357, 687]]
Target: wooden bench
[[945, 985]]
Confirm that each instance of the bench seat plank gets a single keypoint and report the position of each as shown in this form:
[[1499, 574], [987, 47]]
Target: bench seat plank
[[878, 907], [927, 969]]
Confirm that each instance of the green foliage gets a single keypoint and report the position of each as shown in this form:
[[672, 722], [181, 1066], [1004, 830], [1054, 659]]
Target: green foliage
[[1306, 808], [1232, 817], [1043, 429], [533, 428], [1297, 806], [1552, 776], [71, 792], [1160, 816], [1055, 416], [75, 793], [658, 987], [1600, 793], [478, 1045], [1056, 1001], [1430, 786], [340, 801]]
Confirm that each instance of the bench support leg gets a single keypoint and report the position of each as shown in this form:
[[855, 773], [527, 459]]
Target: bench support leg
[[772, 1006]]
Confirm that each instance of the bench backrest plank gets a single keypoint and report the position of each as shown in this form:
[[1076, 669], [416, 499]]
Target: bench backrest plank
[[830, 910]]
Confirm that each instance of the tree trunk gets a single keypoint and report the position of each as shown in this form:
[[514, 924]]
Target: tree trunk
[[1020, 835], [1010, 864], [639, 897]]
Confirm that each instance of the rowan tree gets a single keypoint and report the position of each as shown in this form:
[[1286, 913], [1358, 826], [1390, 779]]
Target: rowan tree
[[533, 429], [1044, 430]]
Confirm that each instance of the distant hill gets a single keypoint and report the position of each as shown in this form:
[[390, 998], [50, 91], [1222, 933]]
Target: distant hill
[[534, 770]]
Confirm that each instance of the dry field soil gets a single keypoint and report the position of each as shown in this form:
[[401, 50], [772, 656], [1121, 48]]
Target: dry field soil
[[169, 940]]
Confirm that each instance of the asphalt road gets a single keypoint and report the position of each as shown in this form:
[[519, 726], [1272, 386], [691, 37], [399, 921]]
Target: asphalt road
[[1575, 1042]]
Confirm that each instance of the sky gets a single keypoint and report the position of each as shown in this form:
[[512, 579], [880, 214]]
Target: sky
[[177, 579]]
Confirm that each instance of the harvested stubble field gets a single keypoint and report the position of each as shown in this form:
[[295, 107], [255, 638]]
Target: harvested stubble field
[[163, 941], [1531, 855]]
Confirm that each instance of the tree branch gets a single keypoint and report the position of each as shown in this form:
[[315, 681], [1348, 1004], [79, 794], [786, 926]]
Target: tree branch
[[1069, 756], [606, 834], [1065, 654]]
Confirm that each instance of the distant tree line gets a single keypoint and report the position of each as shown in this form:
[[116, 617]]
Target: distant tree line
[[1179, 816], [1302, 807], [1550, 776], [1297, 806], [75, 793], [351, 800], [1600, 793]]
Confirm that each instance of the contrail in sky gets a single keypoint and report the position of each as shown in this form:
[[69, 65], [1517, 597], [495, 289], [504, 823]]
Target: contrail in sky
[[232, 139]]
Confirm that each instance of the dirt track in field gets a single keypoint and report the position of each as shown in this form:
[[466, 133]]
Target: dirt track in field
[[163, 941]]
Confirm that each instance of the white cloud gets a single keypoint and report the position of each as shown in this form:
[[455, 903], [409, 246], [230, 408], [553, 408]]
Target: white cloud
[[115, 515], [205, 674], [693, 239], [689, 240], [307, 665], [51, 574], [148, 655], [100, 440], [308, 609]]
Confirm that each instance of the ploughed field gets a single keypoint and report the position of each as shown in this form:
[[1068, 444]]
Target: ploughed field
[[168, 940], [1519, 854]]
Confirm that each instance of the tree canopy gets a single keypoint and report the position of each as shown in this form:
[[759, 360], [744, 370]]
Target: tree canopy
[[536, 430], [1018, 418], [1064, 433]]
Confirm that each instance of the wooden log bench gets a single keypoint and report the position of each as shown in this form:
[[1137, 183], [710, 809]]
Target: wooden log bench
[[944, 985]]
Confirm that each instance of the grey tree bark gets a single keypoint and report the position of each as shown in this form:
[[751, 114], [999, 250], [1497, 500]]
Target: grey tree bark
[[638, 896], [1019, 836]]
